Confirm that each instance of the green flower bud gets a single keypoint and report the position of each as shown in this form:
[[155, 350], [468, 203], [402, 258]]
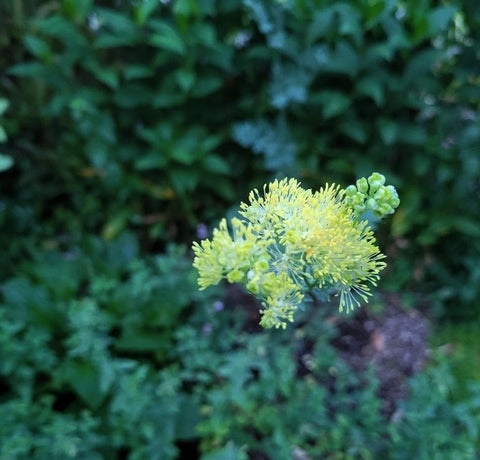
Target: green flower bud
[[253, 286], [261, 265], [362, 185], [235, 276], [372, 204], [358, 199], [395, 202], [350, 190], [376, 180], [380, 194]]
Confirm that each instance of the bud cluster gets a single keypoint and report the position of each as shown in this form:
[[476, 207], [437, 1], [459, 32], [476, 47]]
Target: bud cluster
[[372, 195]]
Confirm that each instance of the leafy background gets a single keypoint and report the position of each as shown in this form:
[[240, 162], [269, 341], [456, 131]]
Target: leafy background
[[128, 127]]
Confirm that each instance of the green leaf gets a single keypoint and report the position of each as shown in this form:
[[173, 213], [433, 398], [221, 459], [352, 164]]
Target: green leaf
[[117, 22], [4, 104], [133, 95], [85, 379], [388, 131], [30, 69], [439, 18], [103, 74], [134, 72], [167, 38], [186, 8], [332, 103], [77, 9], [205, 33], [144, 10], [108, 40], [215, 164], [467, 226], [6, 162], [188, 417], [355, 130], [320, 25], [372, 87], [343, 59], [3, 134], [206, 86], [185, 79], [141, 341], [231, 452], [38, 47], [153, 160]]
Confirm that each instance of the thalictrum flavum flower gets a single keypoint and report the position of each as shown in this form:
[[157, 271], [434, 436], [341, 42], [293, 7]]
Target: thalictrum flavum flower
[[289, 240]]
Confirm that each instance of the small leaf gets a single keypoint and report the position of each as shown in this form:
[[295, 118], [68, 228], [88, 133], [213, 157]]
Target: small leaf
[[215, 164], [355, 130], [6, 162], [388, 131], [187, 417], [373, 88], [185, 79], [333, 103], [439, 18], [29, 69], [145, 9], [167, 38], [85, 379], [153, 160], [4, 104], [39, 48], [3, 134]]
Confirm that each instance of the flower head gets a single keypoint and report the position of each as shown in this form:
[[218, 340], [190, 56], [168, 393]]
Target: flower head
[[289, 240]]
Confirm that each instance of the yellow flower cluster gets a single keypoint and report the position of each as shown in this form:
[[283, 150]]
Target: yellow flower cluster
[[288, 241]]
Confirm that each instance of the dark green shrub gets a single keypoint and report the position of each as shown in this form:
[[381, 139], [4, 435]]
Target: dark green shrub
[[155, 116]]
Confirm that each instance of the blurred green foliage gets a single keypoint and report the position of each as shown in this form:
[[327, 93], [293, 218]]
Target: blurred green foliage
[[124, 125], [115, 356], [155, 116]]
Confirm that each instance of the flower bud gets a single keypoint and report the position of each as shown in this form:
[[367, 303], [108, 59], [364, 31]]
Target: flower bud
[[362, 185], [350, 190], [235, 276]]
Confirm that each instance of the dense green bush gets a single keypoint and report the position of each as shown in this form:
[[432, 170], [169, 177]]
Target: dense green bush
[[111, 356], [154, 116]]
